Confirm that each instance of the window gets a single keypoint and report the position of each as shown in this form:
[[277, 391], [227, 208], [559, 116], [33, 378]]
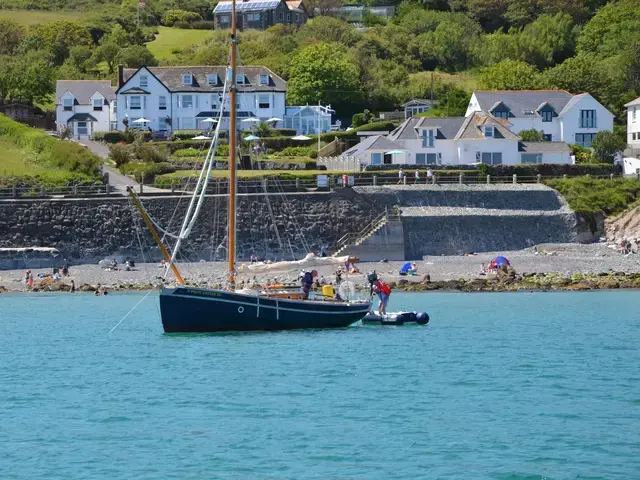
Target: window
[[212, 79], [97, 104], [428, 138], [633, 136], [585, 139], [297, 18], [376, 158], [263, 101], [187, 101], [288, 17], [82, 128], [187, 79], [240, 78], [144, 80], [162, 102], [587, 119], [187, 123], [264, 79], [501, 114], [547, 137], [531, 158], [162, 124], [253, 17], [214, 101], [491, 158], [421, 158], [633, 114], [547, 116], [224, 19], [488, 131], [67, 104], [135, 102]]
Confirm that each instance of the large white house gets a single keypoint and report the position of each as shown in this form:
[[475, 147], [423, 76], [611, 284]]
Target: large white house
[[564, 117], [180, 98], [456, 141], [633, 123], [85, 106]]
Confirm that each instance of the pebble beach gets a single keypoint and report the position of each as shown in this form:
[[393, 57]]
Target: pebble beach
[[560, 259]]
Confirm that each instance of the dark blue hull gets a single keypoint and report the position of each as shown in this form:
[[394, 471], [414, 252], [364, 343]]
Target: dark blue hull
[[189, 309]]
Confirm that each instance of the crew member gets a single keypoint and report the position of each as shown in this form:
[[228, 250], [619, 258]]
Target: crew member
[[384, 292]]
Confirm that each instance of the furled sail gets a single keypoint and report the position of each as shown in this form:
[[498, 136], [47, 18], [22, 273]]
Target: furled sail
[[308, 262]]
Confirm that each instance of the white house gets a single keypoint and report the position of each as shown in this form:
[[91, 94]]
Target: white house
[[633, 123], [308, 119], [180, 98], [87, 106], [564, 117], [456, 141]]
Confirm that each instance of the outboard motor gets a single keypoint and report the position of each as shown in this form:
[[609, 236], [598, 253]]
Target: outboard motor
[[422, 318]]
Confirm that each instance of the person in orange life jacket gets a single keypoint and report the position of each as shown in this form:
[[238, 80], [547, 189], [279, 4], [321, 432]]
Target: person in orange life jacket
[[384, 292]]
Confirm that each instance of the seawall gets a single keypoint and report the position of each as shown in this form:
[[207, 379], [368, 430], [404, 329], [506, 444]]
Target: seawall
[[435, 220]]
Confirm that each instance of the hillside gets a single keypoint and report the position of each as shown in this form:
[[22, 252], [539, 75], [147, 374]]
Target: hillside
[[171, 40]]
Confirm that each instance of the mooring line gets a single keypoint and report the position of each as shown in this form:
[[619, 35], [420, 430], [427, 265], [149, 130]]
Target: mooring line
[[130, 311]]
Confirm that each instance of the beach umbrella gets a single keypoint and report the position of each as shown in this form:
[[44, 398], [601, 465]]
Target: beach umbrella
[[201, 137], [209, 120], [301, 137], [141, 120], [251, 138], [500, 261], [251, 120], [274, 119]]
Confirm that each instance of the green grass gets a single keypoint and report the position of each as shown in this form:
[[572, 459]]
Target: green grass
[[169, 39], [465, 80], [14, 161], [37, 17]]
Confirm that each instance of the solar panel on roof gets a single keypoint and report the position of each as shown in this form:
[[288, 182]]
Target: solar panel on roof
[[246, 6]]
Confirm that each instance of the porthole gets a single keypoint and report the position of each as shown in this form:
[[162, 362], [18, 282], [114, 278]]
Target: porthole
[[240, 309]]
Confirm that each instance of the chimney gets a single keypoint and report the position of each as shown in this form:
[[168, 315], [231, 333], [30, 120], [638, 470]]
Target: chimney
[[120, 75]]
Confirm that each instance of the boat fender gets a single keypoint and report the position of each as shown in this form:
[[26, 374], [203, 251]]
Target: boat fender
[[412, 317], [422, 318], [400, 319]]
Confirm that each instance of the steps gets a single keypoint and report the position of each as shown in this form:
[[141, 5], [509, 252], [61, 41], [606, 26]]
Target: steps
[[383, 238]]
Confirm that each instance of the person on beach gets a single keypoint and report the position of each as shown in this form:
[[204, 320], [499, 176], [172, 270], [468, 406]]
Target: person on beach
[[417, 180], [400, 176], [384, 292], [323, 251], [429, 175]]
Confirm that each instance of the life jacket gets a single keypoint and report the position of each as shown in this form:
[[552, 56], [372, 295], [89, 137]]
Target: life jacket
[[384, 288]]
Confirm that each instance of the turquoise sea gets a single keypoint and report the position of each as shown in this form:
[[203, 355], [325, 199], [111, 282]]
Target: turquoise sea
[[497, 386]]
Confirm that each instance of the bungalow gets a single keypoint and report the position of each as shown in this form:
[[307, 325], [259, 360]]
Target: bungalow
[[417, 105], [456, 141], [560, 115], [260, 14], [308, 119], [86, 106]]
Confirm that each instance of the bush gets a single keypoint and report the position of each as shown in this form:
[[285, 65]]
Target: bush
[[280, 143], [353, 133], [120, 154], [357, 119], [203, 25], [286, 132], [188, 152], [182, 144], [115, 136], [582, 154], [588, 195], [172, 17], [98, 136], [185, 134], [297, 152], [146, 172], [150, 153], [222, 150]]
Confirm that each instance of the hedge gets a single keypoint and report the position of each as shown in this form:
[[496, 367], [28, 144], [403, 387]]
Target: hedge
[[149, 170], [184, 134], [544, 169], [285, 132]]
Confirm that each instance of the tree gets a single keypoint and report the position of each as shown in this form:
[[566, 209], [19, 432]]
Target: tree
[[59, 37], [11, 36], [532, 135], [510, 75], [489, 13], [327, 30], [615, 27], [137, 56], [606, 145], [324, 73]]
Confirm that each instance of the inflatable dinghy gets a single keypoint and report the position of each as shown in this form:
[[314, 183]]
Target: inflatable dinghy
[[396, 318]]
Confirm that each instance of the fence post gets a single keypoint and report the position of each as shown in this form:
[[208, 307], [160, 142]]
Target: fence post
[[375, 180], [515, 178], [141, 183], [404, 179], [297, 184], [488, 179], [538, 178], [14, 192], [42, 192], [173, 187], [461, 178], [108, 189], [75, 190]]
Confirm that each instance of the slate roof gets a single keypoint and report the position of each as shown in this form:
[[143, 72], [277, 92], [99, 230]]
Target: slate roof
[[543, 147], [171, 77], [520, 101], [378, 142], [447, 127], [84, 89], [82, 117], [296, 5], [472, 127]]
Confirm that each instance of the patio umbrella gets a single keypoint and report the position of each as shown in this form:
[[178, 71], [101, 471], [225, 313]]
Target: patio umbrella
[[141, 120], [251, 138], [201, 137], [301, 137], [274, 119], [251, 119], [394, 152], [209, 120]]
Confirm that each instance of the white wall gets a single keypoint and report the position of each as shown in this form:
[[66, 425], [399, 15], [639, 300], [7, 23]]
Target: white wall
[[570, 121], [473, 106], [103, 116], [509, 148], [527, 123], [150, 108], [630, 165], [447, 149], [633, 126]]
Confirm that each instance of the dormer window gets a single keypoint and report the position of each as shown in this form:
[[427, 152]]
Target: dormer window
[[187, 79], [144, 80], [212, 79], [264, 79], [501, 114], [240, 78], [97, 104], [488, 131], [547, 116], [67, 104], [428, 138]]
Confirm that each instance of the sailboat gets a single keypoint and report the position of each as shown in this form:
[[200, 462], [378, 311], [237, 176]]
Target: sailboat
[[195, 309]]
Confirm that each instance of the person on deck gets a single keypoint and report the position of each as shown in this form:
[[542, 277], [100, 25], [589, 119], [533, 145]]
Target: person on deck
[[307, 283], [384, 292], [400, 176]]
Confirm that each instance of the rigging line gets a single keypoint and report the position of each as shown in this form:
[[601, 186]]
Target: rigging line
[[131, 311], [287, 209], [273, 220]]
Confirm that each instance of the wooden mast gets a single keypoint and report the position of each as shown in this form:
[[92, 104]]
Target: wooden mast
[[231, 216]]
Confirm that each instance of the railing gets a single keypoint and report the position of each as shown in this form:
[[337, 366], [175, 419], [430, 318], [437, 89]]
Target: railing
[[352, 238], [268, 184]]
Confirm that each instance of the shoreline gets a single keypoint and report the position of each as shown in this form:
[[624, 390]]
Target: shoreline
[[544, 267]]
